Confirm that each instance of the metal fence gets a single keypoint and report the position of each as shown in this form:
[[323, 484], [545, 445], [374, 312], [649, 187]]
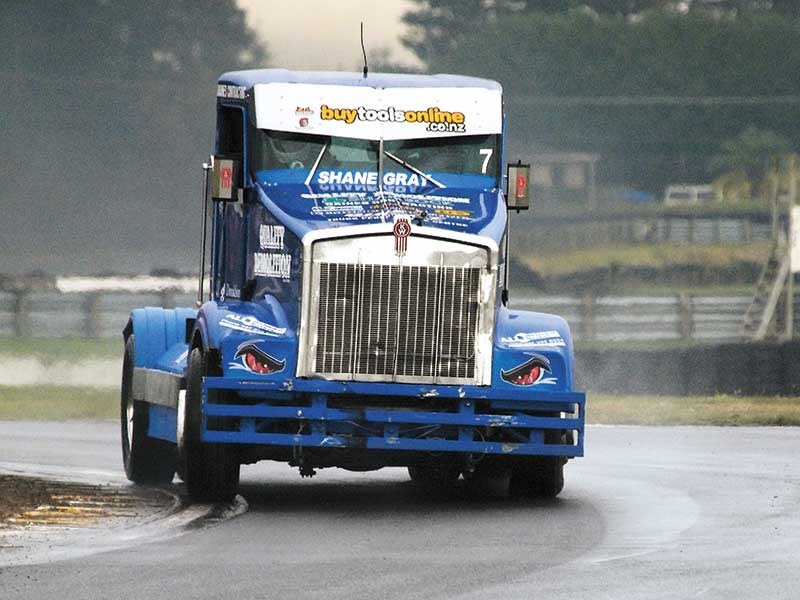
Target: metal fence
[[620, 318], [588, 231], [97, 310], [92, 307]]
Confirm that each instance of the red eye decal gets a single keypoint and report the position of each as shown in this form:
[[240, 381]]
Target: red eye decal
[[255, 360], [529, 372]]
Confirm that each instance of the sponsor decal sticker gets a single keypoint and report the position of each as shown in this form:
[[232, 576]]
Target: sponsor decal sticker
[[230, 291], [250, 357], [531, 372], [537, 338], [304, 113], [248, 324], [231, 91], [369, 178], [271, 237], [270, 264], [451, 212], [433, 117]]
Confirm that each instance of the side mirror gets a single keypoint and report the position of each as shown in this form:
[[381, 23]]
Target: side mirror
[[226, 175], [519, 195]]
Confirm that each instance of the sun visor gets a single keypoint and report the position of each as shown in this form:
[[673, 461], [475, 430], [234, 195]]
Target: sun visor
[[374, 113]]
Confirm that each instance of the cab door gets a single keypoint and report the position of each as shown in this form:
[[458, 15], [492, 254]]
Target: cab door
[[231, 230]]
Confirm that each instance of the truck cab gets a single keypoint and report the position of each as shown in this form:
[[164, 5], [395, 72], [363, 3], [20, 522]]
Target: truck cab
[[356, 315]]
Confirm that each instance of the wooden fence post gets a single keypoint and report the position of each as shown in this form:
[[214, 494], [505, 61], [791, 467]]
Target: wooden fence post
[[91, 312], [587, 317], [22, 313], [167, 299], [685, 316]]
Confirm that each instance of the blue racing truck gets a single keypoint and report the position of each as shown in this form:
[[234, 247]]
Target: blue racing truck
[[357, 311]]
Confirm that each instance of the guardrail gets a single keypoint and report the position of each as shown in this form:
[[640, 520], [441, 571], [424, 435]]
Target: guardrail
[[622, 318], [91, 307], [97, 307], [588, 231]]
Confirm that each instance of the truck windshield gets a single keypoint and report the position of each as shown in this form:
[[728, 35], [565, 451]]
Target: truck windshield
[[467, 155]]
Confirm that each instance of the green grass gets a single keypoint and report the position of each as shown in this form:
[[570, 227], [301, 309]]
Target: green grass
[[640, 345], [692, 410], [661, 289], [625, 209], [551, 261], [70, 349], [53, 403]]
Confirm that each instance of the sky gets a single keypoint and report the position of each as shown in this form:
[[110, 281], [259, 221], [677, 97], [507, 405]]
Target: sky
[[320, 34]]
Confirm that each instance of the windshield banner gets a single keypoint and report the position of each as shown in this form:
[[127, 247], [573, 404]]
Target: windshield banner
[[375, 113]]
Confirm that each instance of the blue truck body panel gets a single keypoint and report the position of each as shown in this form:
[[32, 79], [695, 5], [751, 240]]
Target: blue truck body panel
[[462, 411], [160, 337]]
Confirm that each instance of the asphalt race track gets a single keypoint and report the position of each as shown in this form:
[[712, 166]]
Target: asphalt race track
[[650, 513]]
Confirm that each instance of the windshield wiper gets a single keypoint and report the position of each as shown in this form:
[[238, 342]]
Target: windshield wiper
[[316, 164], [413, 169]]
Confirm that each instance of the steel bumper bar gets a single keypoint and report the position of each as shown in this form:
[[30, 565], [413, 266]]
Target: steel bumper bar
[[463, 427]]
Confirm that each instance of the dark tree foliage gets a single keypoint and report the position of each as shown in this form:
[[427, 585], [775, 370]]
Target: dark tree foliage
[[567, 77], [113, 39], [790, 8], [436, 25], [108, 112]]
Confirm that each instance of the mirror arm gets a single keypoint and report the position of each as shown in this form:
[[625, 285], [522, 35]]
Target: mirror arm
[[207, 167], [507, 268]]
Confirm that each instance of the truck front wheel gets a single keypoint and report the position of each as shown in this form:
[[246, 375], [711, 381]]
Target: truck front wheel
[[147, 460], [210, 471], [538, 477], [434, 478]]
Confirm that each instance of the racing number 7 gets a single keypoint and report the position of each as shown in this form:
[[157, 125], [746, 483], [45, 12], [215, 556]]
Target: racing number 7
[[487, 153]]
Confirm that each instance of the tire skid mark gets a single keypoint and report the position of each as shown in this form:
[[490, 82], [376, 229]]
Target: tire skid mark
[[79, 519]]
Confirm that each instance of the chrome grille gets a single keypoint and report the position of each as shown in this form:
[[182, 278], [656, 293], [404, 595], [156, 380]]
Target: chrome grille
[[390, 322]]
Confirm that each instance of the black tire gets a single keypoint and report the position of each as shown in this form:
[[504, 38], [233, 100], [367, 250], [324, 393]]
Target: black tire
[[147, 460], [434, 478], [538, 477], [541, 476], [487, 480], [210, 471]]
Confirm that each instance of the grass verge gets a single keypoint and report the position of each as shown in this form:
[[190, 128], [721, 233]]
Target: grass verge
[[54, 403], [550, 262], [692, 410], [61, 349]]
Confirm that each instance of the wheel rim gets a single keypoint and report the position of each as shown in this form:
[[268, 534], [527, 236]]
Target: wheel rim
[[129, 418], [181, 420]]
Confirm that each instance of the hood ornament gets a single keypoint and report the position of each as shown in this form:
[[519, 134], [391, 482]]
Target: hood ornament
[[401, 230]]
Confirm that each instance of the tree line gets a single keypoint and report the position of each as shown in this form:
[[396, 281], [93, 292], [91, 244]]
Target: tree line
[[656, 88], [106, 114]]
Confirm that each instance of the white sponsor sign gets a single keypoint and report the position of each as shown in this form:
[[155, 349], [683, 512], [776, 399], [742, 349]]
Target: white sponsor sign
[[271, 237], [231, 91], [268, 264], [538, 338], [248, 324], [369, 178], [375, 113], [794, 239]]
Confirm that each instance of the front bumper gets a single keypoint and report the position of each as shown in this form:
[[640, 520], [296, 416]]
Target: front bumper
[[305, 413]]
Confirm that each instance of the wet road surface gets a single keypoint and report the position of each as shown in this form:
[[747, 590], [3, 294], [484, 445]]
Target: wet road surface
[[650, 513]]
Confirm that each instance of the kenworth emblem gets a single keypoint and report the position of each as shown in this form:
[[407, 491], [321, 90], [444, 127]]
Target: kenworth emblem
[[402, 229]]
